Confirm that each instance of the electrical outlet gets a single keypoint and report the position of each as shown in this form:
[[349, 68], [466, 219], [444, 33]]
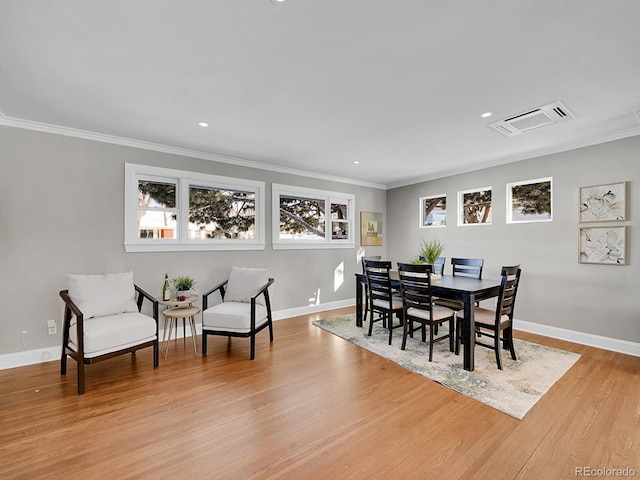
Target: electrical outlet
[[52, 327]]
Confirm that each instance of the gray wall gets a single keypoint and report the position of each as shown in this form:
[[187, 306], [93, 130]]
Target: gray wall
[[555, 289], [62, 212]]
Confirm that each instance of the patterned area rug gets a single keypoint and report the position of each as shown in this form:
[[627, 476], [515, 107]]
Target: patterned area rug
[[513, 390]]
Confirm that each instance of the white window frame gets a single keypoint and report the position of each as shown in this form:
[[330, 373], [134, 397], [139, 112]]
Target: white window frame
[[461, 206], [422, 215], [529, 182], [183, 180], [328, 197]]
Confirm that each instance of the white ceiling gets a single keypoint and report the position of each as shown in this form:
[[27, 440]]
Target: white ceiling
[[314, 85]]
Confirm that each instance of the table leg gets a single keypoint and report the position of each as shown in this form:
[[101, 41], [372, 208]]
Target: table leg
[[468, 332], [358, 302], [192, 326]]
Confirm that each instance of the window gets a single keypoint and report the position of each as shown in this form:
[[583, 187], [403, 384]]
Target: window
[[173, 210], [433, 211], [474, 207], [308, 218]]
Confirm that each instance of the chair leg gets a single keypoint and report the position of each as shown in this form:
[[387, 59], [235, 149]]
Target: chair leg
[[204, 343], [80, 363], [63, 362], [405, 331], [270, 330], [508, 343], [370, 322], [253, 346], [431, 329], [496, 348]]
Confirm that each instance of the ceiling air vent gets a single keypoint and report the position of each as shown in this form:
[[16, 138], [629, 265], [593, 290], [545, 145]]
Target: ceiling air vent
[[539, 117]]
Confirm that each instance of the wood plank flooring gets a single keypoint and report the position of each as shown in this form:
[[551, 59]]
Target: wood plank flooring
[[310, 406]]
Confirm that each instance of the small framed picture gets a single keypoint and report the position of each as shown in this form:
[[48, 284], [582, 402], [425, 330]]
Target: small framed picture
[[603, 203], [433, 211], [529, 201], [474, 206], [370, 229], [603, 245]]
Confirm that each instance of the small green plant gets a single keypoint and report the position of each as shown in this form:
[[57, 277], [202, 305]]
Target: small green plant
[[183, 284], [430, 251]]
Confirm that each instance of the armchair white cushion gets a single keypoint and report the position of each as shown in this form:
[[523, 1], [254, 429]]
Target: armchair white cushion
[[102, 320], [101, 295], [245, 308]]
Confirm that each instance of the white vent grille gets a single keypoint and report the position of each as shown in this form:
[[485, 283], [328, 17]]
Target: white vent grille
[[532, 119]]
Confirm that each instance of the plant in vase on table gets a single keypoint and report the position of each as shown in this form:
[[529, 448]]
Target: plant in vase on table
[[429, 253], [183, 286]]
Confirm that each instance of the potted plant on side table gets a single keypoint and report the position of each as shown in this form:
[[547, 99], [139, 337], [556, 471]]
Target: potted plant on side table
[[183, 286]]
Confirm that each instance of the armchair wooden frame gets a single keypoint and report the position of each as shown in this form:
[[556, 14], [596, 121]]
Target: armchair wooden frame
[[71, 309], [253, 330]]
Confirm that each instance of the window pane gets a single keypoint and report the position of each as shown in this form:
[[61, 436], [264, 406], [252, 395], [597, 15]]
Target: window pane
[[302, 218], [157, 224], [156, 194], [218, 213]]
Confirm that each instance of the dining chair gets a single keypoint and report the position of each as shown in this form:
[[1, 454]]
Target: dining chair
[[438, 265], [418, 306], [464, 267], [498, 323], [366, 288], [381, 296]]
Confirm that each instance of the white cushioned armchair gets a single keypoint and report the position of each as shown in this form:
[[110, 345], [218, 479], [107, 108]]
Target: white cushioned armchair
[[243, 307], [102, 319]]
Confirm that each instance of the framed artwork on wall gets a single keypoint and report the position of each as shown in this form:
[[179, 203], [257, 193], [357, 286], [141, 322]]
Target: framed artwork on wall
[[601, 203], [603, 245], [433, 211], [529, 201], [474, 206], [370, 229]]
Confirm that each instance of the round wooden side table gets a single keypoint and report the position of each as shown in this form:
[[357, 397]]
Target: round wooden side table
[[172, 315]]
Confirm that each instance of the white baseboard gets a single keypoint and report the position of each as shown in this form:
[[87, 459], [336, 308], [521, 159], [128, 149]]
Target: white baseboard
[[52, 353], [598, 341]]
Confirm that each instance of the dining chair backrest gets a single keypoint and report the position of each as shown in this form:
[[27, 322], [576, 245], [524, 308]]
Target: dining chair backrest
[[370, 257], [378, 281], [415, 286], [510, 279], [438, 266], [467, 267]]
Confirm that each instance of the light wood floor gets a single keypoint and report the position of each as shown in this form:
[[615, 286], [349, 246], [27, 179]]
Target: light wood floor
[[311, 406]]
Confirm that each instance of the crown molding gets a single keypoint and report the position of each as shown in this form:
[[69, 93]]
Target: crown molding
[[156, 147]]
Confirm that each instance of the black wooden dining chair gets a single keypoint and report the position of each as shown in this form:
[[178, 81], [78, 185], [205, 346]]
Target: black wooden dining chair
[[366, 287], [498, 323], [381, 296], [418, 306], [464, 267]]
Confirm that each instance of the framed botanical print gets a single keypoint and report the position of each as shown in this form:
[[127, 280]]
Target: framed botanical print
[[474, 206], [433, 211], [370, 229], [529, 201], [602, 203], [603, 245]]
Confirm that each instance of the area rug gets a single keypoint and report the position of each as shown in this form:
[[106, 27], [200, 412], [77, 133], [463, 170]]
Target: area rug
[[513, 390]]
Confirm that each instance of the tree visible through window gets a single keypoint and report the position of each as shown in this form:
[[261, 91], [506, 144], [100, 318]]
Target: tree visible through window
[[219, 213]]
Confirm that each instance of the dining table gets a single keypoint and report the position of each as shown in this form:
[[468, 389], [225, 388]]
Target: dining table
[[453, 287]]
